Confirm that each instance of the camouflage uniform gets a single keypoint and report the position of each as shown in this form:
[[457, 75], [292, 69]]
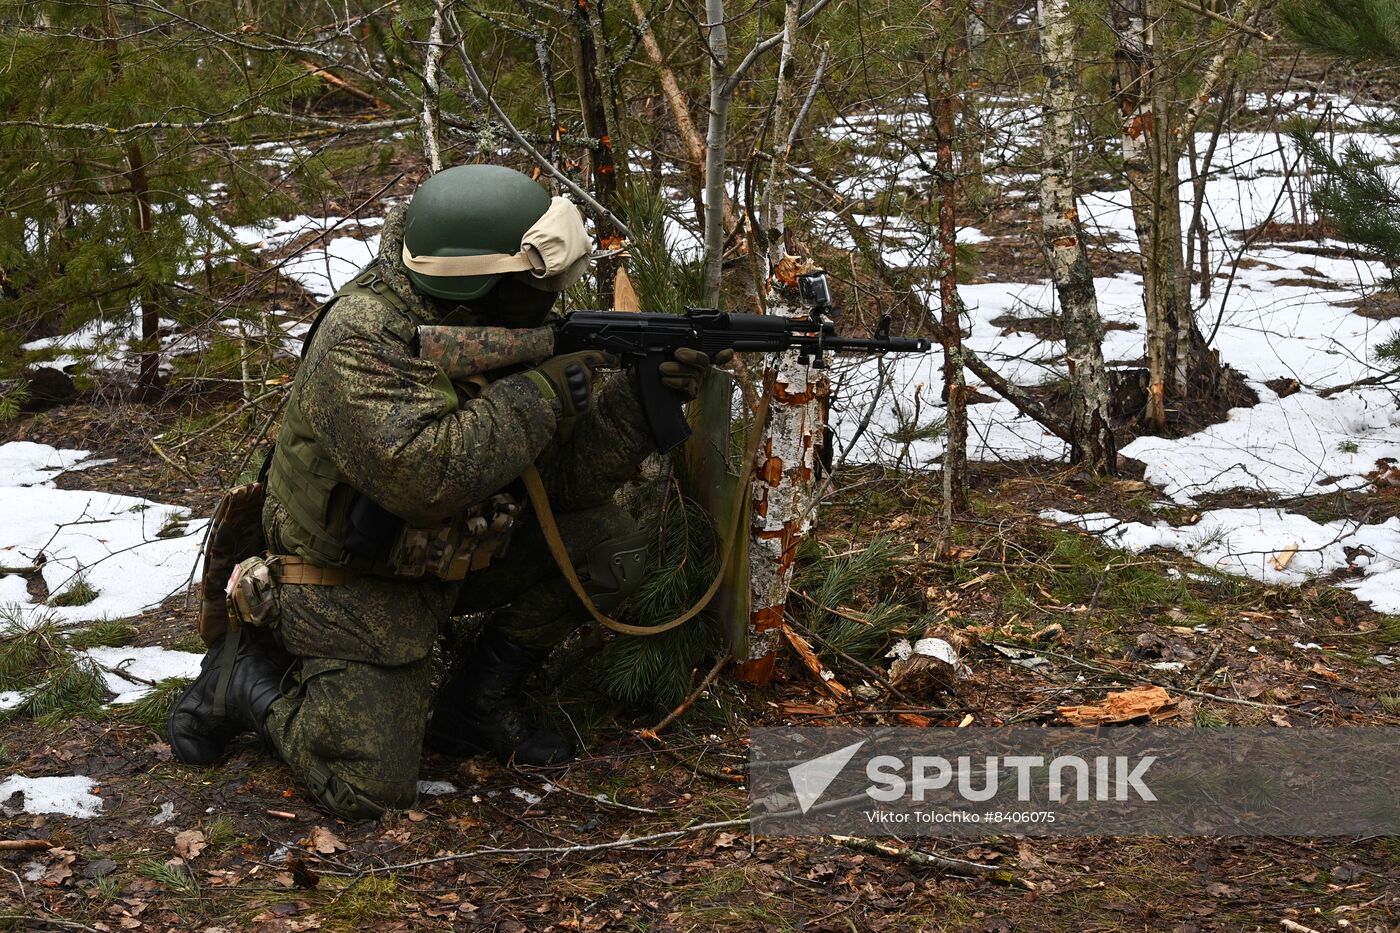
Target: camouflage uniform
[[396, 430]]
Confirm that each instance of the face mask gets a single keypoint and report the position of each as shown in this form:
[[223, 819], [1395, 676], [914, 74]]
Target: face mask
[[515, 303]]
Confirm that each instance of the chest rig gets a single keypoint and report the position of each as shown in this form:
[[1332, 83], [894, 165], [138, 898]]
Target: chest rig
[[338, 526]]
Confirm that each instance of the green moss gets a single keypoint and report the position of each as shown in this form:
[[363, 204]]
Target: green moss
[[364, 901]]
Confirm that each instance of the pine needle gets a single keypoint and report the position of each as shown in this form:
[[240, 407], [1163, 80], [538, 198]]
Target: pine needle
[[832, 584], [153, 709], [655, 670]]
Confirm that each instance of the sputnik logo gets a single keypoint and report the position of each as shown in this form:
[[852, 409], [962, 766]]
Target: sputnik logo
[[811, 778]]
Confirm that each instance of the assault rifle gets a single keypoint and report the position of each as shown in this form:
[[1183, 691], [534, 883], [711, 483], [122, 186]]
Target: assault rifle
[[646, 340]]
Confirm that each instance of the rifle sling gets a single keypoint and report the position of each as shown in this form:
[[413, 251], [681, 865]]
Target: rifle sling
[[539, 501]]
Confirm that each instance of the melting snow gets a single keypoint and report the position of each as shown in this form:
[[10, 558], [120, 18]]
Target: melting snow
[[132, 552], [70, 796], [1251, 542], [143, 664], [25, 463]]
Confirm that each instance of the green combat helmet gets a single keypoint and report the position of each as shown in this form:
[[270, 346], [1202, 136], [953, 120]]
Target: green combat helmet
[[469, 225]]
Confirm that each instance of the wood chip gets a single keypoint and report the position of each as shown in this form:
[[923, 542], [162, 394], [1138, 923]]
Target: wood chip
[[824, 677], [1124, 706], [1283, 558]]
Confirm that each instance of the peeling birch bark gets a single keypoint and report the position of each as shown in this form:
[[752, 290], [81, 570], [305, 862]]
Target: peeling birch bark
[[784, 486], [783, 492], [1093, 443], [715, 148]]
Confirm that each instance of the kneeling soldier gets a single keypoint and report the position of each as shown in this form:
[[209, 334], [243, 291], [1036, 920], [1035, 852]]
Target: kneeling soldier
[[392, 493]]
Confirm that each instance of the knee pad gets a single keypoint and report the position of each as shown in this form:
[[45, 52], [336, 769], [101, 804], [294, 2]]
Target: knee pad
[[340, 798], [616, 568]]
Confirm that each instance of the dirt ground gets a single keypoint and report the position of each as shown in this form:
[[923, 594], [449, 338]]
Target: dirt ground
[[556, 854]]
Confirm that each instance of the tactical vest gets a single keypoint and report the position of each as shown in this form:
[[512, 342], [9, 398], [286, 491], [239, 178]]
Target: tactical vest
[[337, 526]]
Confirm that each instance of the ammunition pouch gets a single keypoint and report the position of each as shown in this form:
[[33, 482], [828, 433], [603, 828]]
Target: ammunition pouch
[[452, 550], [250, 592]]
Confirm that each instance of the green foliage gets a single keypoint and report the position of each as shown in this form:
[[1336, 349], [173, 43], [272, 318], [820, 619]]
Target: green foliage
[[108, 633], [153, 709], [1355, 195], [94, 221], [1352, 30], [173, 875], [220, 833], [57, 683], [12, 400], [662, 282], [838, 583], [655, 670], [78, 592]]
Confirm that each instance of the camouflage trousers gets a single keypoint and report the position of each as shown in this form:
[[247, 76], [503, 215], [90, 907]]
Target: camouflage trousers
[[352, 725]]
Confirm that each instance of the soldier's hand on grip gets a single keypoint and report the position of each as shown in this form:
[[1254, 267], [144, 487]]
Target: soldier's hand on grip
[[684, 373], [570, 378]]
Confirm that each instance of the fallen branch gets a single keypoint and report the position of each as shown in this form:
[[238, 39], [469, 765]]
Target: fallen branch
[[690, 698], [869, 671], [21, 845], [929, 860], [825, 678], [556, 850], [340, 83]]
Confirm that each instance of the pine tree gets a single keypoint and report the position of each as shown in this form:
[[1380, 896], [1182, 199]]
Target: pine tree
[[118, 121], [1355, 193]]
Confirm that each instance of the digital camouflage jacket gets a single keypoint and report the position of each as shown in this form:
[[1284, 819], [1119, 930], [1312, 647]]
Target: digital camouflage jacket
[[366, 417]]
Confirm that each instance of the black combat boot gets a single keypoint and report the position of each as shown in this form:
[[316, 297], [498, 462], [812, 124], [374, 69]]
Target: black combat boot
[[482, 708], [200, 726]]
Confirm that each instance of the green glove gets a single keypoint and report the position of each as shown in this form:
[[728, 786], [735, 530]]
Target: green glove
[[684, 373], [569, 379]]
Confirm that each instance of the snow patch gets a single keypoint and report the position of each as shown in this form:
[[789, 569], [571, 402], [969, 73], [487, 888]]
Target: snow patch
[[70, 796], [1257, 543], [132, 552], [1294, 446], [142, 664], [25, 463]]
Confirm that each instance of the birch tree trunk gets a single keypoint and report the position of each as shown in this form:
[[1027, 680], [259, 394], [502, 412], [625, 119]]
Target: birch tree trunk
[[784, 488], [715, 149], [1179, 362], [1134, 60], [945, 106], [1093, 443], [431, 93]]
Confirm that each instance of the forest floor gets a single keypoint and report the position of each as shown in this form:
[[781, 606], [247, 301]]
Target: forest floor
[[1050, 616], [1097, 619]]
